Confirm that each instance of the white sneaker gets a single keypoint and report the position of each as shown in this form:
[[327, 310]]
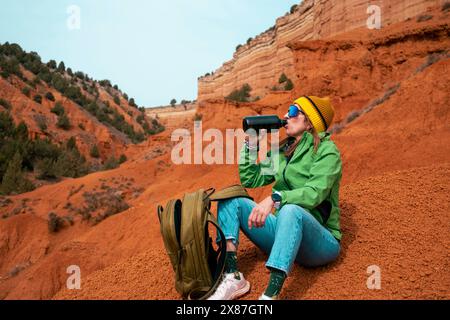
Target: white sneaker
[[264, 297], [231, 288]]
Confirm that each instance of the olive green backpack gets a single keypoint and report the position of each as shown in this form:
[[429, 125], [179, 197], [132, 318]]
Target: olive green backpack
[[184, 224]]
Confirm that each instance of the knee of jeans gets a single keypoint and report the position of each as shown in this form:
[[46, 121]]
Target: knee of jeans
[[290, 212], [231, 202]]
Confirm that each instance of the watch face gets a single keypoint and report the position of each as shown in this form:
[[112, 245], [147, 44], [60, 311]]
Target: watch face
[[276, 197]]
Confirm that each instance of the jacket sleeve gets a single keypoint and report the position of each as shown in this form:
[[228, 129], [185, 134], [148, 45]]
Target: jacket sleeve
[[253, 175], [323, 174]]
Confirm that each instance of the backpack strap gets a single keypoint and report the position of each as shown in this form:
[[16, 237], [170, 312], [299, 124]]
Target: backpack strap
[[202, 293], [233, 191], [170, 219]]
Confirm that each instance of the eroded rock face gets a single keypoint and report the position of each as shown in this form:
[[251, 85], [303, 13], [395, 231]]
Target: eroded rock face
[[263, 60]]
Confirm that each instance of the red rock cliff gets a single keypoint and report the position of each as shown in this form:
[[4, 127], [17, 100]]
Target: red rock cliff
[[261, 62]]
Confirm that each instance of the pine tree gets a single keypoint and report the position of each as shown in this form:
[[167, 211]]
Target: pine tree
[[13, 180], [94, 152], [283, 78], [63, 122], [289, 85], [61, 67]]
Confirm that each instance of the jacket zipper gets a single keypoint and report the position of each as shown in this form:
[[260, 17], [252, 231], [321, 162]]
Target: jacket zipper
[[284, 172], [287, 163]]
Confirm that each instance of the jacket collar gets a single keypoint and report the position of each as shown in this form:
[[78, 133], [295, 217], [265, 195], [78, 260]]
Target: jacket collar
[[307, 141]]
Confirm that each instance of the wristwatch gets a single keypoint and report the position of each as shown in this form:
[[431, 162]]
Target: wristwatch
[[276, 197]]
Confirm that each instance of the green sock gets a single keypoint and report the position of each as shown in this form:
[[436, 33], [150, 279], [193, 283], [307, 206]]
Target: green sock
[[276, 282], [231, 262]]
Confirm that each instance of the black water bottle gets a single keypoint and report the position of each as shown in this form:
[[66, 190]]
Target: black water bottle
[[271, 122]]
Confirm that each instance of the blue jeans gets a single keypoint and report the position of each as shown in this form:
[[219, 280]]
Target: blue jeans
[[294, 234]]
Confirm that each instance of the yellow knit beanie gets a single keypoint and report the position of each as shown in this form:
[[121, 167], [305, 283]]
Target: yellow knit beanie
[[319, 111]]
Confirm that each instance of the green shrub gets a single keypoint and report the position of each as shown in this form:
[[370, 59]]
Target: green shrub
[[140, 118], [102, 116], [156, 127], [45, 75], [117, 100], [94, 152], [424, 17], [41, 121], [240, 95], [137, 137], [63, 122], [122, 158], [173, 102], [72, 92], [289, 85], [5, 104], [51, 64], [59, 83], [33, 63], [58, 109], [79, 75], [21, 131], [55, 223], [7, 126], [50, 96], [61, 67], [13, 180], [71, 144], [293, 8], [105, 83], [132, 103], [69, 72], [283, 78], [41, 149], [46, 169], [109, 201], [26, 91], [38, 98], [71, 164], [10, 66], [110, 163]]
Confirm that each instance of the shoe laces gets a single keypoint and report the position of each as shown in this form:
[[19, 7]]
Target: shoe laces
[[224, 285]]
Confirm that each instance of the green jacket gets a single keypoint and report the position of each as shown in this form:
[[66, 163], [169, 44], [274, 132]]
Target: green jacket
[[309, 180]]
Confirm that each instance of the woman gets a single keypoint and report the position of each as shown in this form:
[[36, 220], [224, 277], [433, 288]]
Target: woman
[[305, 225]]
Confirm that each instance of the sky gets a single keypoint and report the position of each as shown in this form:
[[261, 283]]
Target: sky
[[153, 50]]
